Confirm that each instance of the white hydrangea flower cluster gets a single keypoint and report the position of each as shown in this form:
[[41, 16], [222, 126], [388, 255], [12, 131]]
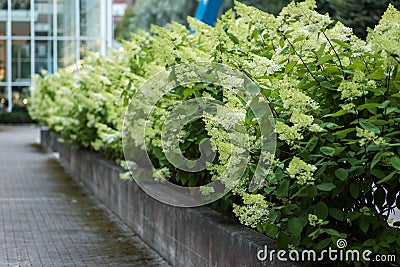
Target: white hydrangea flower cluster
[[295, 101], [366, 137], [222, 130], [301, 171], [356, 87], [313, 220], [254, 211], [162, 174], [297, 104], [261, 66], [385, 37]]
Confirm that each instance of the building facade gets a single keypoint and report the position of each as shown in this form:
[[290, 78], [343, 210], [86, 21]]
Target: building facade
[[37, 35]]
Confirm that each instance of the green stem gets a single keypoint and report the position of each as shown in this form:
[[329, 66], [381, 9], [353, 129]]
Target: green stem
[[334, 50], [304, 63]]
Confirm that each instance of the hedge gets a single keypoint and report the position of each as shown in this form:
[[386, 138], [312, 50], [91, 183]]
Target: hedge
[[335, 99]]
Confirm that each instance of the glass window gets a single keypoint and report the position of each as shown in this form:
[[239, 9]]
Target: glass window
[[20, 97], [21, 13], [21, 28], [66, 18], [3, 28], [2, 60], [86, 46], [66, 54], [90, 18], [43, 17], [21, 61], [3, 99], [3, 4], [43, 56], [20, 4]]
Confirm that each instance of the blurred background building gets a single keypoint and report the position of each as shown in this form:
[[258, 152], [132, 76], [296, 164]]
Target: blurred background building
[[37, 35]]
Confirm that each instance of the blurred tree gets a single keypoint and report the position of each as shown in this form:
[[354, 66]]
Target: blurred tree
[[158, 12], [121, 31], [270, 6], [357, 14]]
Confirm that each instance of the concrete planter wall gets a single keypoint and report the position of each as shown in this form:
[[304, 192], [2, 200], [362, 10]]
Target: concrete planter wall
[[183, 236]]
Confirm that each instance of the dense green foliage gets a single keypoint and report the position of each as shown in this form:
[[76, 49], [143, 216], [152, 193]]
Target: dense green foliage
[[336, 98], [19, 116]]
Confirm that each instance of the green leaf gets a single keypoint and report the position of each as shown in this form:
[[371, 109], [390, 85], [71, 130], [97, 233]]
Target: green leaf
[[345, 132], [326, 186], [289, 67], [296, 225], [187, 92], [395, 162], [336, 213], [182, 177], [233, 38], [363, 223], [341, 174], [273, 215], [333, 232], [272, 231], [377, 75], [194, 179], [340, 113], [378, 173], [321, 50], [282, 240], [323, 60], [330, 151], [395, 71], [323, 244], [321, 210], [316, 233], [379, 122], [326, 84], [339, 149], [368, 105], [354, 190], [387, 178], [369, 127], [341, 43], [376, 159], [312, 143], [283, 189], [369, 242], [158, 153]]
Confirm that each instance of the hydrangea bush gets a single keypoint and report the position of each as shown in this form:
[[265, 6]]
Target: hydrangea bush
[[336, 102]]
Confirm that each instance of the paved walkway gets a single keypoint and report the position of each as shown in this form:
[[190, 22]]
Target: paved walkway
[[46, 219]]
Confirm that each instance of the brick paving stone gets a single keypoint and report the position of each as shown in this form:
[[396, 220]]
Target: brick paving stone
[[47, 219]]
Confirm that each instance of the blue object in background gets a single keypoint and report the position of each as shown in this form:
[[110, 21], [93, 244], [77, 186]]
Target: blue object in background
[[207, 11]]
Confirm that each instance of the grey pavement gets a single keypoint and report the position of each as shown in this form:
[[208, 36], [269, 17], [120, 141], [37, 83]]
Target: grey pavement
[[47, 219]]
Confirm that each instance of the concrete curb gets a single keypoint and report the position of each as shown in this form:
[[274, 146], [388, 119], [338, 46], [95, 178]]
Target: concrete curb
[[183, 236]]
